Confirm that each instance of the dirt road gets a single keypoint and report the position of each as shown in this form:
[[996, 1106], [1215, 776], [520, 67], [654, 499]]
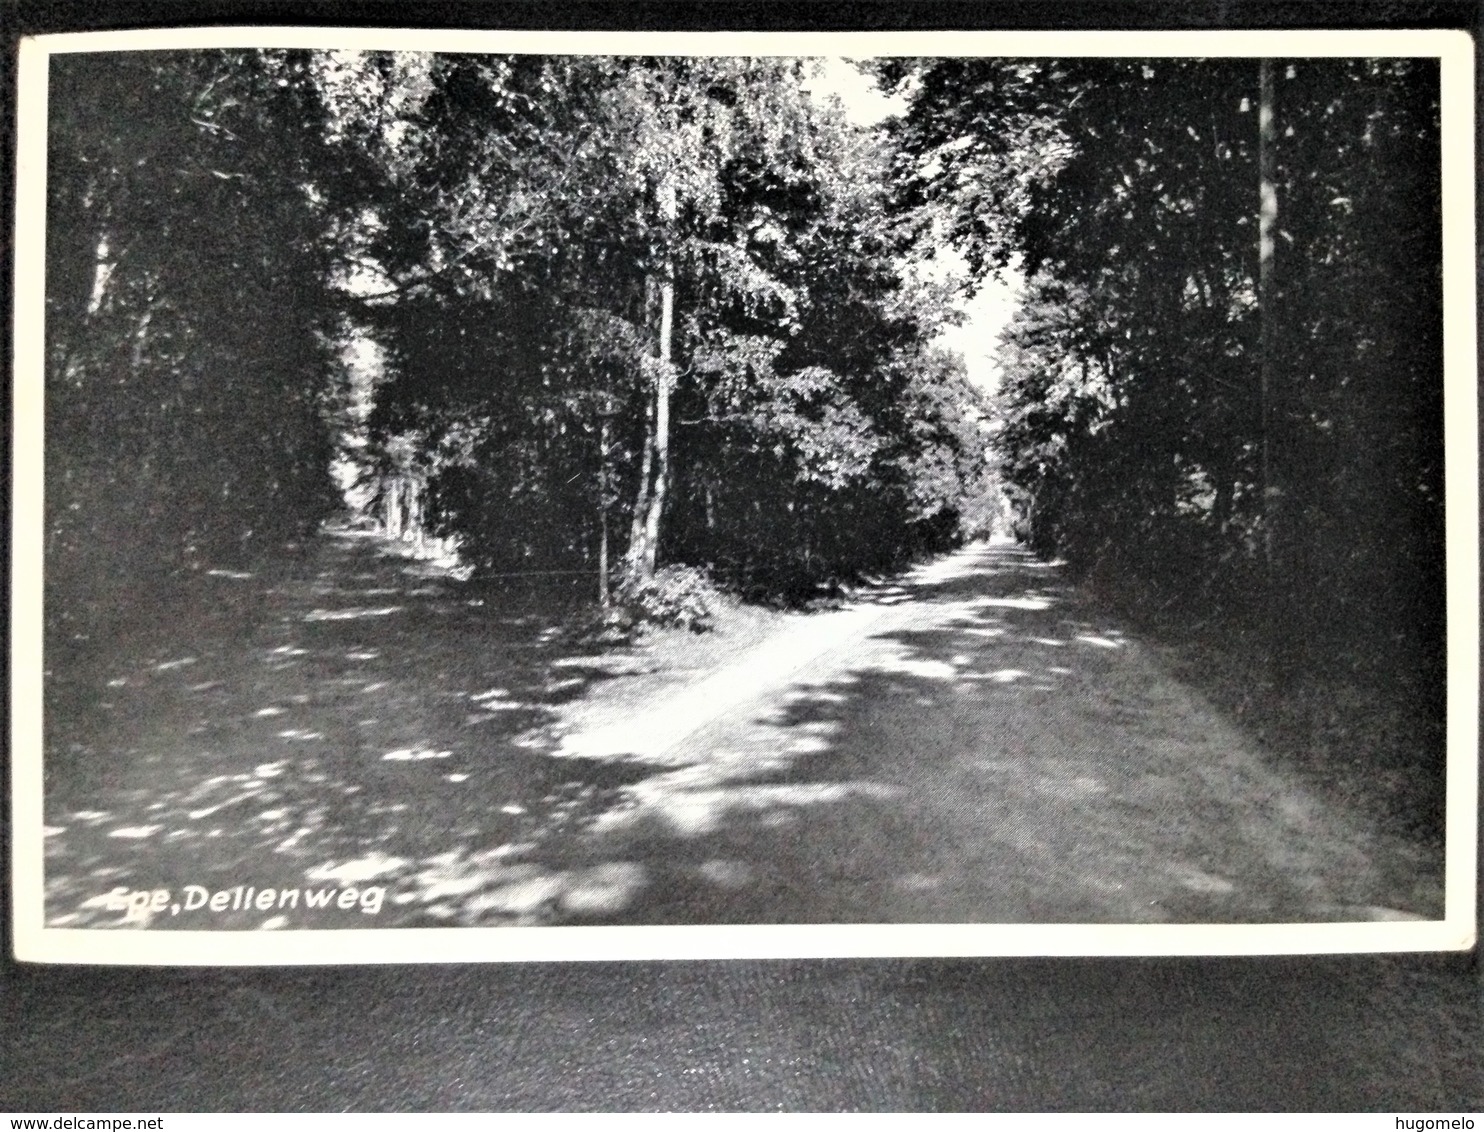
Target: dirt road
[[970, 743]]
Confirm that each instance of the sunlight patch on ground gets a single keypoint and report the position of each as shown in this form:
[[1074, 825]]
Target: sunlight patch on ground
[[1081, 786], [961, 565], [365, 868], [197, 815], [616, 664], [1032, 604], [603, 888], [1367, 913], [490, 885], [1002, 676], [927, 669], [812, 743], [409, 754], [695, 813], [440, 887], [351, 614], [523, 897], [827, 697], [134, 832], [918, 882], [652, 733], [1199, 881], [292, 841], [725, 873]]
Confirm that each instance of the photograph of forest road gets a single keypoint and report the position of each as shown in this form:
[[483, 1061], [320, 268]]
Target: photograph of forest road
[[561, 489]]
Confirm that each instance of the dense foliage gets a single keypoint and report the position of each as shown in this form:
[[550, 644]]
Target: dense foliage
[[186, 314], [632, 312], [668, 295], [1133, 427]]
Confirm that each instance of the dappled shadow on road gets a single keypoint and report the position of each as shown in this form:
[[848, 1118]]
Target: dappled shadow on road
[[998, 753], [968, 743], [364, 724], [865, 789]]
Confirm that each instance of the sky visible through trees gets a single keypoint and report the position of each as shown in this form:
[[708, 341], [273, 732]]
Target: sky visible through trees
[[664, 324]]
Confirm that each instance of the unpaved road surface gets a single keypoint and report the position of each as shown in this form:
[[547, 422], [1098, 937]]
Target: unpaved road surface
[[974, 744], [971, 743]]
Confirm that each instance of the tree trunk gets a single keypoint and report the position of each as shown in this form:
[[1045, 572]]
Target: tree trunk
[[392, 501], [1267, 220], [661, 419], [1282, 630], [102, 272], [604, 598], [1223, 496], [415, 514], [649, 508], [634, 556], [141, 339]]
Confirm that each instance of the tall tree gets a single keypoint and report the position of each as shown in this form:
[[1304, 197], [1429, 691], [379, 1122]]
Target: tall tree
[[190, 246]]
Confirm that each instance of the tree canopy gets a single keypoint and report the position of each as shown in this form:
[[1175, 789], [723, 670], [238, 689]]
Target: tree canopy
[[1133, 428], [652, 303], [694, 309]]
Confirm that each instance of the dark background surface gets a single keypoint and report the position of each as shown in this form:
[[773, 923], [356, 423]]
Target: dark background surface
[[1399, 1033]]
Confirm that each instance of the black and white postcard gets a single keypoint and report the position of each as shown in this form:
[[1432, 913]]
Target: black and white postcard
[[510, 496]]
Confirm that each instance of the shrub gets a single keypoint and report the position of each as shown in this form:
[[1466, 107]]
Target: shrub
[[676, 597]]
